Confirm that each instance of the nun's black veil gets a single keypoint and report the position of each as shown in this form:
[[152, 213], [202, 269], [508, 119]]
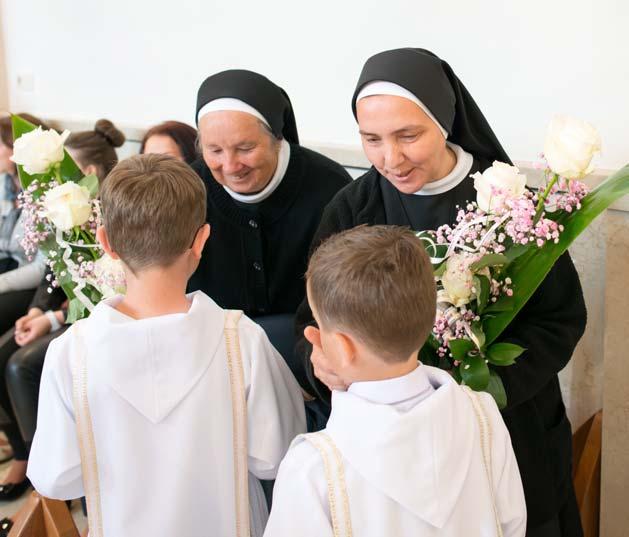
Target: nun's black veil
[[434, 83], [257, 91]]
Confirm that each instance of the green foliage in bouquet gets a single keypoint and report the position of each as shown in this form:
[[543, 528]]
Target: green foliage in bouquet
[[36, 185], [529, 269], [473, 358], [68, 169]]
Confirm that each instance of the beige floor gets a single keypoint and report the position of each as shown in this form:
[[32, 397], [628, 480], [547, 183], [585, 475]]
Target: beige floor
[[8, 509]]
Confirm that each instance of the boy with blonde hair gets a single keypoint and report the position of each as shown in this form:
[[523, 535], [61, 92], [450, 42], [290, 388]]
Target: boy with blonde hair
[[180, 406], [406, 451]]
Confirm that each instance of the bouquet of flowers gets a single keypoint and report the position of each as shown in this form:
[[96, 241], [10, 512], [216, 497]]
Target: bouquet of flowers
[[62, 214], [502, 246]]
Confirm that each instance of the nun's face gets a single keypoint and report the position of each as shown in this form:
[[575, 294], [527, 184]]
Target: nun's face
[[402, 142], [239, 152]]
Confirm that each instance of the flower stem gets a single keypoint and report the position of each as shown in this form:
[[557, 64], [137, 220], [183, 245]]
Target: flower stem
[[540, 204], [87, 237], [58, 173]]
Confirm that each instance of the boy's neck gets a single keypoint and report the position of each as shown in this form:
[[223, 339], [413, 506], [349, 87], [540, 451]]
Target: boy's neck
[[155, 292], [380, 370]]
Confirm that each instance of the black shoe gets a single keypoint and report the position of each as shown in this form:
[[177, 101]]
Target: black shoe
[[12, 491], [5, 526]]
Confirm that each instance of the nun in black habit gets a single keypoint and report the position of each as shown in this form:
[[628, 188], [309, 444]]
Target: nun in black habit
[[265, 195], [425, 135]]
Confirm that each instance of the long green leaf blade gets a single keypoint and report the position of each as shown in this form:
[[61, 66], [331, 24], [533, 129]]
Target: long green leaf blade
[[529, 270]]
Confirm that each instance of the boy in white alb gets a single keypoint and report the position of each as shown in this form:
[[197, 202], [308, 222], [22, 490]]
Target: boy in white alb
[[406, 451], [181, 406]]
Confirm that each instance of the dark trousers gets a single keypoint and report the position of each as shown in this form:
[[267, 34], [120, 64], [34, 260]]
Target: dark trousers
[[20, 375], [13, 305], [7, 264]]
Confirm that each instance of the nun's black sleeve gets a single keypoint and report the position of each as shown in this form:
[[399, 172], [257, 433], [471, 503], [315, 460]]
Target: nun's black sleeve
[[549, 327]]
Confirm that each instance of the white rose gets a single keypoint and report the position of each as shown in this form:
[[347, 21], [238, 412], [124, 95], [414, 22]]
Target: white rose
[[457, 280], [570, 146], [110, 277], [503, 177], [68, 205], [39, 150]]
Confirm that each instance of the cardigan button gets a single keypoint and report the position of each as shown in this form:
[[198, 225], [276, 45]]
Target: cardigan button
[[257, 266], [253, 223]]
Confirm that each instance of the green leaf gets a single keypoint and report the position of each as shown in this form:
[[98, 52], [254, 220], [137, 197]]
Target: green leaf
[[496, 389], [531, 267], [456, 375], [68, 289], [91, 183], [504, 303], [477, 330], [489, 260], [441, 269], [515, 251], [475, 373], [50, 243], [432, 342], [433, 249], [68, 169], [66, 278], [460, 347], [481, 283], [94, 295], [428, 356], [503, 354], [76, 311], [21, 126]]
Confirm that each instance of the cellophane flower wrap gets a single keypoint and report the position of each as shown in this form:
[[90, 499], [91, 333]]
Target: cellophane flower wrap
[[503, 244], [62, 214]]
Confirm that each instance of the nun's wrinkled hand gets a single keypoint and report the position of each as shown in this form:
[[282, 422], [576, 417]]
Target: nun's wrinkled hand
[[321, 366]]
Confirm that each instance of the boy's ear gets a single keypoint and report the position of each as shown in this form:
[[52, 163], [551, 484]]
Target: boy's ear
[[199, 240], [103, 239], [347, 348]]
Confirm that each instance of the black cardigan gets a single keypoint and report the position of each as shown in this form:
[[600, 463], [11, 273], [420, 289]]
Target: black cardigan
[[549, 327], [256, 256]]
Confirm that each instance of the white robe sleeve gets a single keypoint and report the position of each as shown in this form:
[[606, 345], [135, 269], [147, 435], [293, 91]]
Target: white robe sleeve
[[54, 464], [508, 491], [300, 497], [275, 405]]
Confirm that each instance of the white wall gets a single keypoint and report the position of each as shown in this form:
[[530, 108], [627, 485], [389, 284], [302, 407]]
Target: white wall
[[4, 93], [138, 62]]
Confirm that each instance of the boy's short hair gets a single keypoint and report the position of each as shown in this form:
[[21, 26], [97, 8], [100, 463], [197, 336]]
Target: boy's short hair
[[377, 283], [152, 208]]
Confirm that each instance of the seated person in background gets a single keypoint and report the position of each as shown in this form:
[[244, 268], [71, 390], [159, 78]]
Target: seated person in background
[[171, 138], [183, 401], [22, 350], [18, 276], [406, 451]]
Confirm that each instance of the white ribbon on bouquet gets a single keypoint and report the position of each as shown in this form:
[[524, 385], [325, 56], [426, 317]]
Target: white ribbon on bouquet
[[73, 268], [454, 243]]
